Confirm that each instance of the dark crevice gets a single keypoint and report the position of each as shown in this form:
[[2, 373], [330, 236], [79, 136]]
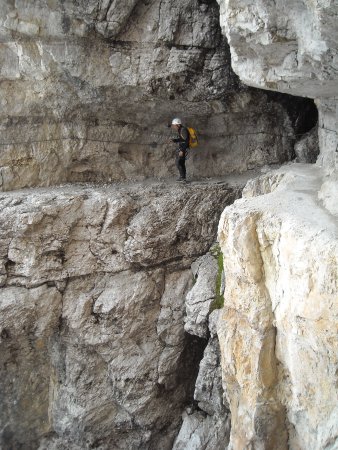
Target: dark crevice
[[189, 364], [302, 111], [184, 380], [9, 266]]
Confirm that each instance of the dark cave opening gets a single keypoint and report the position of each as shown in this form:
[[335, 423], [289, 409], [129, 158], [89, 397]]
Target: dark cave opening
[[302, 111], [189, 363]]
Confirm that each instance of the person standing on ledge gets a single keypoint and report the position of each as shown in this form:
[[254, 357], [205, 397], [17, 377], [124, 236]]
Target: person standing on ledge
[[183, 144]]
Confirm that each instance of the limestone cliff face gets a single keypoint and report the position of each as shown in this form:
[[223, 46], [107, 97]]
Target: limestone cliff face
[[289, 46], [285, 45], [277, 333], [87, 89], [279, 324], [93, 282], [94, 342]]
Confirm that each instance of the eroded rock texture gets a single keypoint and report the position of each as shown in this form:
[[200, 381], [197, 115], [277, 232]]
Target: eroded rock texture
[[87, 89], [307, 148], [201, 296], [279, 354], [93, 348], [279, 351], [206, 423], [289, 46], [95, 353]]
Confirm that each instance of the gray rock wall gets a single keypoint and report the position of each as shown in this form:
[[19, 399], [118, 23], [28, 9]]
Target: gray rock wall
[[93, 282], [206, 421], [94, 279], [88, 88]]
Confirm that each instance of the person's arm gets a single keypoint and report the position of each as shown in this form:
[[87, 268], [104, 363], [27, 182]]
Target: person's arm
[[185, 136]]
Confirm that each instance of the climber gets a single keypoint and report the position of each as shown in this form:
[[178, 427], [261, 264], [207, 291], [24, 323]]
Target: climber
[[182, 149]]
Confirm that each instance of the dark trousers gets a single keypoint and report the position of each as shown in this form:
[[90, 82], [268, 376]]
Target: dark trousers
[[180, 164]]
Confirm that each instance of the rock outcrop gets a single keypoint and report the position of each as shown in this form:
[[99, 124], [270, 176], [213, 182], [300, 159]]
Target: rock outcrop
[[279, 351], [286, 46], [201, 296], [93, 348], [292, 47], [307, 148], [206, 423], [87, 89], [95, 344]]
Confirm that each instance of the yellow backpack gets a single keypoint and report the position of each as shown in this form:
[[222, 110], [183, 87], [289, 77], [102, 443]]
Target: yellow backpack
[[193, 140]]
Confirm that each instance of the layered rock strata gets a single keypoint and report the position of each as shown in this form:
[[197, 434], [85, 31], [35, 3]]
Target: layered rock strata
[[94, 279], [93, 282], [88, 88], [279, 325]]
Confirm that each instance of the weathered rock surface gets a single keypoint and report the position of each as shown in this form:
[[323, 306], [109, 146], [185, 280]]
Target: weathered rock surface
[[328, 133], [206, 426], [208, 389], [307, 148], [200, 297], [279, 354], [200, 431], [286, 45], [279, 327], [289, 46], [94, 279], [87, 89], [28, 320], [94, 352]]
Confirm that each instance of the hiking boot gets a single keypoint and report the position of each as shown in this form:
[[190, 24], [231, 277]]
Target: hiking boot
[[181, 179]]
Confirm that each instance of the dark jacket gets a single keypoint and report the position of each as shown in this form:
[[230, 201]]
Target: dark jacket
[[182, 140]]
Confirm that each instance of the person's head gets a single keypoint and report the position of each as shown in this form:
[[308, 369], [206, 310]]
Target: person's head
[[176, 123]]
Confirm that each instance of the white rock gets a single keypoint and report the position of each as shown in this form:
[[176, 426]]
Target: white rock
[[27, 28], [284, 45], [202, 294], [289, 46], [280, 315], [195, 433], [208, 389]]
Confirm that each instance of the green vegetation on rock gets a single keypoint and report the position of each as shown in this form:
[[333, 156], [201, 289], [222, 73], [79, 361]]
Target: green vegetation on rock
[[218, 302]]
